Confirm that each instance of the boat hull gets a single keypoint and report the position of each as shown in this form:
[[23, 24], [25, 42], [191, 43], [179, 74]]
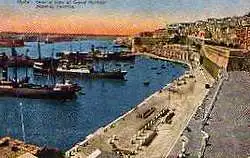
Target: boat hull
[[108, 75], [37, 93], [116, 57], [11, 43], [95, 75]]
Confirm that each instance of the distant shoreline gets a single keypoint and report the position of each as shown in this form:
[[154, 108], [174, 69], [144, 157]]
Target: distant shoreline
[[63, 34]]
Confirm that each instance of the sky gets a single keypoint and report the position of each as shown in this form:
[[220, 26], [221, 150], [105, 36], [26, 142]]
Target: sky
[[124, 17]]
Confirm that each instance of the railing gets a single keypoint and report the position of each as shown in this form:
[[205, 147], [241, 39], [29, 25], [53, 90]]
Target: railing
[[211, 105], [224, 76]]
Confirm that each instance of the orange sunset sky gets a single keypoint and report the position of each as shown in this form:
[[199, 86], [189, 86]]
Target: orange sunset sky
[[122, 17]]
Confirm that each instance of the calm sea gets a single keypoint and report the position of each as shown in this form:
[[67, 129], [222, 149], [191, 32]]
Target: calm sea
[[61, 124]]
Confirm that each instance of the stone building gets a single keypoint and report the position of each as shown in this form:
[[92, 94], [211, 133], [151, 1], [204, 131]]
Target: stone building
[[243, 36]]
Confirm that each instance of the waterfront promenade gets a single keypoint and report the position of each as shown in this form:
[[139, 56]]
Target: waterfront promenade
[[227, 126], [127, 135], [185, 105]]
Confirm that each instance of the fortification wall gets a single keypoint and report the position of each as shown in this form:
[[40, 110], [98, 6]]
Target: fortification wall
[[211, 67], [215, 58], [209, 64], [239, 61]]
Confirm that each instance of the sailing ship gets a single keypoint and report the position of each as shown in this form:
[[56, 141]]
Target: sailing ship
[[76, 65], [23, 89]]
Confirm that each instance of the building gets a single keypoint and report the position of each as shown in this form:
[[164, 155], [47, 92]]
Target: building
[[145, 34], [160, 33], [243, 37]]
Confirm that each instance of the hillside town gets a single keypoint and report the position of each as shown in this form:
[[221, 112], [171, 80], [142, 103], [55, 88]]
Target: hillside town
[[194, 114], [231, 32]]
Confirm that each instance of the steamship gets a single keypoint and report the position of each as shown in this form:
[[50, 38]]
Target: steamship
[[23, 89], [11, 43], [41, 68]]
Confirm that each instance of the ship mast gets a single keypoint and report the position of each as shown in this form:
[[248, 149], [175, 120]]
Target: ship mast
[[39, 49], [26, 68], [14, 54], [93, 50], [103, 68], [5, 67], [52, 67]]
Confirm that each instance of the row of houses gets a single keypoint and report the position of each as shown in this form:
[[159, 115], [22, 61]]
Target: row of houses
[[230, 31]]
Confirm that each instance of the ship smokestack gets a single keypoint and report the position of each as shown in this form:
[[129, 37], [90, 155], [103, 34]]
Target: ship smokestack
[[14, 54], [39, 50]]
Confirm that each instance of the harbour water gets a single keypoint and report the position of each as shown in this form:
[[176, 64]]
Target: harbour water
[[62, 123]]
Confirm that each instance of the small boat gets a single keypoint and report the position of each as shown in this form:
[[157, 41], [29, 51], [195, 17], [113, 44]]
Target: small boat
[[163, 66], [146, 83], [185, 66], [153, 68], [81, 93], [131, 67], [158, 73], [48, 42]]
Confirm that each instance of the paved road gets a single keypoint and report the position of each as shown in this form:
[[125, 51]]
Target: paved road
[[228, 125]]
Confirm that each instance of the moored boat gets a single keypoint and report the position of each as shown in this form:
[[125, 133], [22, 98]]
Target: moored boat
[[115, 56], [163, 66], [26, 90], [146, 83], [23, 89], [11, 43], [79, 71]]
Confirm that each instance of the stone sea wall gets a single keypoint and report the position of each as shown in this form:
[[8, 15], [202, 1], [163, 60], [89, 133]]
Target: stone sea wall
[[211, 67], [215, 58]]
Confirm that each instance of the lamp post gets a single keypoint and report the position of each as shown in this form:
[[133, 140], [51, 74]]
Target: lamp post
[[22, 121]]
